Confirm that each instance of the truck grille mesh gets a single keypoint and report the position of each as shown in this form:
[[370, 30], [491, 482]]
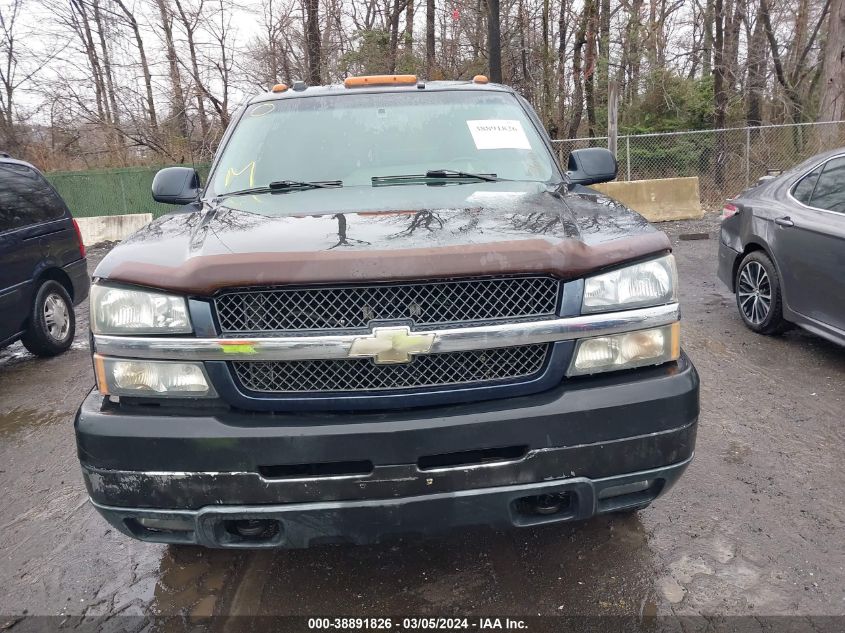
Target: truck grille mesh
[[361, 374], [427, 304]]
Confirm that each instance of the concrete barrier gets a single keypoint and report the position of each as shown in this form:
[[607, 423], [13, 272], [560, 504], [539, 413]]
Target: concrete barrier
[[110, 228], [658, 200]]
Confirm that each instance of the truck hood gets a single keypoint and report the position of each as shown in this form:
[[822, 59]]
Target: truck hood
[[382, 234]]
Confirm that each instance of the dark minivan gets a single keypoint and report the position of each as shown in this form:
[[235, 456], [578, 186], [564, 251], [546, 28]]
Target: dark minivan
[[43, 272]]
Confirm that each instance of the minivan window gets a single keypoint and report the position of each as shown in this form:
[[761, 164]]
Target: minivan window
[[355, 137], [26, 198], [830, 190]]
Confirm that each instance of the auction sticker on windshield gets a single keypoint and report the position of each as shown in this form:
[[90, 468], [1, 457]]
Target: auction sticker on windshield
[[498, 134]]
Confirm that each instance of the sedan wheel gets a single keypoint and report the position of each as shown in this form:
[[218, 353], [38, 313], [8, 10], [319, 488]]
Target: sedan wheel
[[758, 294], [754, 292]]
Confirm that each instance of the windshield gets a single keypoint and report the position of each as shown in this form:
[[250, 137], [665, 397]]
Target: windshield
[[355, 137]]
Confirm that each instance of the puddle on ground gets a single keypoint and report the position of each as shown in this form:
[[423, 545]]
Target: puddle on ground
[[16, 353], [19, 419]]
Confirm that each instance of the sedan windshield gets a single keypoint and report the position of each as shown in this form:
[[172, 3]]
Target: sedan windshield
[[354, 138]]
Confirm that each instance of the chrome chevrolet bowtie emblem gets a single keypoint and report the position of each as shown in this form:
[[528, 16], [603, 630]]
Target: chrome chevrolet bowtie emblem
[[388, 345]]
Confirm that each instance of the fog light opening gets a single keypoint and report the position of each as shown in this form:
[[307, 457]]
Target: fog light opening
[[545, 505], [253, 529]]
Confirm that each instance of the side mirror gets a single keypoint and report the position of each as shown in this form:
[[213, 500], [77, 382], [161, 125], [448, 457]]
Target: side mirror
[[591, 165], [176, 185]]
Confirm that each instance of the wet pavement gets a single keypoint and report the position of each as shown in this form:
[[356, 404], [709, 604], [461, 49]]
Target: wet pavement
[[756, 526]]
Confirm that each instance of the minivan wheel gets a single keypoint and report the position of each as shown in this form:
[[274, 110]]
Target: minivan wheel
[[52, 322], [758, 295]]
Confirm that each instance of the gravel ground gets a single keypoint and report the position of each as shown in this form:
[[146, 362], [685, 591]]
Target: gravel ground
[[754, 527]]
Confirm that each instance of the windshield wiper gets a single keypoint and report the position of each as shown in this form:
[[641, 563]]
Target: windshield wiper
[[435, 174], [282, 186]]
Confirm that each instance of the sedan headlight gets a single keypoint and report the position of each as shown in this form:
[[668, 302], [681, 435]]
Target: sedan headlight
[[170, 379], [626, 351], [650, 283], [116, 310]]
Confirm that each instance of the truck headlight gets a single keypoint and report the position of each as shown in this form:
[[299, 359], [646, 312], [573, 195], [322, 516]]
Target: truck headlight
[[170, 379], [116, 310], [650, 283], [626, 351]]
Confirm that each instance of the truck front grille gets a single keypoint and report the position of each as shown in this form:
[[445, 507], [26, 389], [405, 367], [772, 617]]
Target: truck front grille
[[428, 304], [361, 374]]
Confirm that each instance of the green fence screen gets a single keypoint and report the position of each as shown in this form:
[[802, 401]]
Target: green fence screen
[[111, 191]]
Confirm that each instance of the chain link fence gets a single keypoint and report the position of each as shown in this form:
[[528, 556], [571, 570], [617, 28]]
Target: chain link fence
[[111, 191], [725, 161]]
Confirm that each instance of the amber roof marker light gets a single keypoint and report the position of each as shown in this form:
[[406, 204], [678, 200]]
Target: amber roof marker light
[[380, 80], [480, 79], [279, 88]]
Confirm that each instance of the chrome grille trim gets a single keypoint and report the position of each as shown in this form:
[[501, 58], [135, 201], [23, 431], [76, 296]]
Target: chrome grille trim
[[362, 375], [338, 346], [428, 304]]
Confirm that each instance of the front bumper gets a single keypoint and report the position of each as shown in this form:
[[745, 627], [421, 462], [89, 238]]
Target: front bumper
[[413, 470], [361, 522]]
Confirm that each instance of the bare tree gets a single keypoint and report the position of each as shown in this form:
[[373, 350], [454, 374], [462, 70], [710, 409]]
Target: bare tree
[[177, 102], [494, 40], [313, 44], [189, 19], [146, 80], [429, 38], [12, 75], [145, 66], [832, 106]]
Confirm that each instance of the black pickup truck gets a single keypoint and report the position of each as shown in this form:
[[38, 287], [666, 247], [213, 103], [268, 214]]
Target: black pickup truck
[[388, 311]]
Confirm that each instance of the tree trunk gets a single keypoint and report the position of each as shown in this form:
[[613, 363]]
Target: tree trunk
[[195, 70], [409, 27], [802, 19], [84, 30], [178, 102], [731, 46], [494, 41], [756, 84], [603, 64], [719, 93], [630, 49], [107, 70], [527, 83], [578, 76], [478, 35], [313, 44], [394, 35], [547, 80], [145, 67], [561, 73], [429, 39], [590, 66], [707, 41], [832, 106], [795, 104]]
